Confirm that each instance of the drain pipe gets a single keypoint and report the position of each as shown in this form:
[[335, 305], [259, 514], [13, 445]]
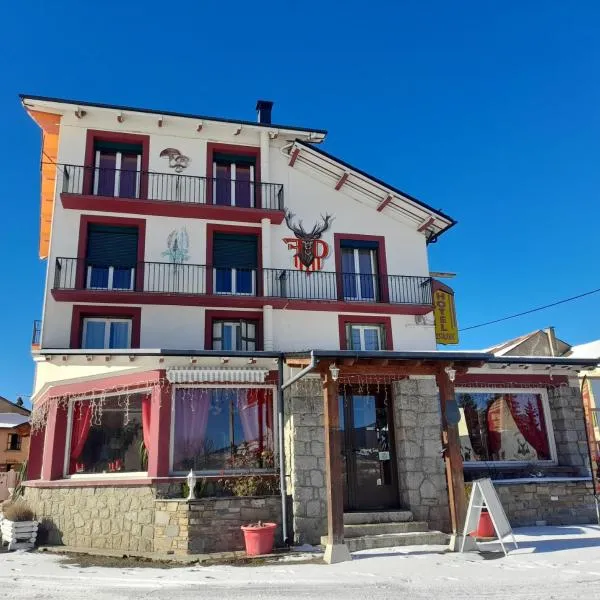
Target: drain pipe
[[280, 425]]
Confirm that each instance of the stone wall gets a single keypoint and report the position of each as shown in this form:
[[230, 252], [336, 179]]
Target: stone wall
[[119, 518], [557, 503], [421, 469], [568, 422], [211, 524], [305, 460]]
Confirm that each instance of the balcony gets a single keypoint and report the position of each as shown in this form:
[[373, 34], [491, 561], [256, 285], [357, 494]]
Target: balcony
[[172, 283], [169, 194]]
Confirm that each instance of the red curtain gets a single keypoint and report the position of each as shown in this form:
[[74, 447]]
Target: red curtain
[[82, 421], [146, 415], [529, 418]]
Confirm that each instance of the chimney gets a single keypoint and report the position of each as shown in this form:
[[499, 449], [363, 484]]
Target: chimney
[[552, 341], [263, 111]]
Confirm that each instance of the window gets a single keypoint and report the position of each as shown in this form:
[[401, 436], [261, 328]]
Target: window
[[234, 335], [365, 337], [14, 441], [360, 270], [234, 180], [503, 426], [99, 332], [111, 257], [218, 429], [109, 435], [117, 169], [235, 262]]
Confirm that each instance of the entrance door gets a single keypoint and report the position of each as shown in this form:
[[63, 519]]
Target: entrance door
[[369, 465]]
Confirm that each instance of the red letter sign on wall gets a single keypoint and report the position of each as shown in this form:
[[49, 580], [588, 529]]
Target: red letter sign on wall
[[309, 249]]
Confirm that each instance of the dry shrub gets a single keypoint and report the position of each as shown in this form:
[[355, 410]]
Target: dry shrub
[[17, 511]]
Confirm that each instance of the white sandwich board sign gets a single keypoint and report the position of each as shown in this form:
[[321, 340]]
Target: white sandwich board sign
[[483, 495]]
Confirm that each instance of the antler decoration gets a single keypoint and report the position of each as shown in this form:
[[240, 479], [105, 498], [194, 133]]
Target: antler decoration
[[298, 229]]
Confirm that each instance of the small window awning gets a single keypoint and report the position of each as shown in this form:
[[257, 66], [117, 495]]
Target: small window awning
[[216, 375]]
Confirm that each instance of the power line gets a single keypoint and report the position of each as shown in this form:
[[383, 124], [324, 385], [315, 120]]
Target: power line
[[527, 312]]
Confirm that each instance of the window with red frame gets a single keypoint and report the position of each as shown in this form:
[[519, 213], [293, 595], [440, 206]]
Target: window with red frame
[[234, 180], [117, 169]]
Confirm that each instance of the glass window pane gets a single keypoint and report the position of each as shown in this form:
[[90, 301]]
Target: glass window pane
[[244, 279], [98, 277], [122, 278], [228, 337], [106, 438], [223, 279], [93, 334], [119, 335], [372, 338], [222, 183], [242, 185], [105, 174], [355, 339], [367, 277], [502, 427], [128, 176], [223, 428]]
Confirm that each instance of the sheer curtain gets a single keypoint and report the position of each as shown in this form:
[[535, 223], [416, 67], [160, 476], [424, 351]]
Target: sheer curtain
[[191, 419]]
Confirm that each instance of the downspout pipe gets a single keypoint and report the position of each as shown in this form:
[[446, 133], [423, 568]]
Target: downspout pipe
[[302, 373], [280, 425]]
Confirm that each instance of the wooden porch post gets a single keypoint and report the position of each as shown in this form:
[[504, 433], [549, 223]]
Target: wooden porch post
[[454, 463], [336, 550]]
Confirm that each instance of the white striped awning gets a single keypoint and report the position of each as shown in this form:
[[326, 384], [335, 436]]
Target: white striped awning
[[216, 375]]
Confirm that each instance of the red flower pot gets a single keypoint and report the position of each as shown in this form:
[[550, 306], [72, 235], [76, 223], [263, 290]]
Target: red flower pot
[[259, 539], [485, 527]]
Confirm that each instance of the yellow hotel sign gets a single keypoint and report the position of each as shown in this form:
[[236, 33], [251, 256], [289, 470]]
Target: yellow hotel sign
[[444, 312]]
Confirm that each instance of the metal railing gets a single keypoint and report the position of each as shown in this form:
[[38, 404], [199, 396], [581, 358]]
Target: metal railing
[[170, 187], [190, 279], [37, 333]]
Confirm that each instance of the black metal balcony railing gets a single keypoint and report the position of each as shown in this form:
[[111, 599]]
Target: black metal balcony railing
[[37, 333], [170, 187], [174, 278]]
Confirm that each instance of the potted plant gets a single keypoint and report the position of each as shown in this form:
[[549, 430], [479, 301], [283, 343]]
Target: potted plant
[[18, 526], [259, 538]]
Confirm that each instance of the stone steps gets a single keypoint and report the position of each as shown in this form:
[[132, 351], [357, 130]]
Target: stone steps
[[386, 529], [358, 530], [384, 516], [392, 540]]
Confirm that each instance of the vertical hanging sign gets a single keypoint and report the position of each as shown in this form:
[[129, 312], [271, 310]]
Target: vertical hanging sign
[[444, 312]]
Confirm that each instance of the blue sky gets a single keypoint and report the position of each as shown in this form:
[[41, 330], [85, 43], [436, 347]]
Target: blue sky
[[487, 110]]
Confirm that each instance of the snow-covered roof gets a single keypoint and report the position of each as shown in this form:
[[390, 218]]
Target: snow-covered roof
[[589, 350], [10, 420]]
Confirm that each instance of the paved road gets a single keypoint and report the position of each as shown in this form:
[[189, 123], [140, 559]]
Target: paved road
[[542, 569]]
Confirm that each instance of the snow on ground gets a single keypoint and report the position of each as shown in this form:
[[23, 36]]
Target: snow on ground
[[551, 562]]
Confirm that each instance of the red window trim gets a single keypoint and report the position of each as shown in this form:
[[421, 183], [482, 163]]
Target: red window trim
[[222, 315], [385, 322], [81, 311], [212, 147], [381, 260], [85, 220], [124, 138], [211, 229]]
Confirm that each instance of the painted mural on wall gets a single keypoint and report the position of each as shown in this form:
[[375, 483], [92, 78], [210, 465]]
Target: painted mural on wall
[[177, 246], [309, 249], [177, 161]]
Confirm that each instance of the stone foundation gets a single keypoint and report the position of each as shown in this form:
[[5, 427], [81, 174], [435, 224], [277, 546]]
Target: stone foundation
[[557, 503], [211, 524], [117, 518], [143, 519]]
